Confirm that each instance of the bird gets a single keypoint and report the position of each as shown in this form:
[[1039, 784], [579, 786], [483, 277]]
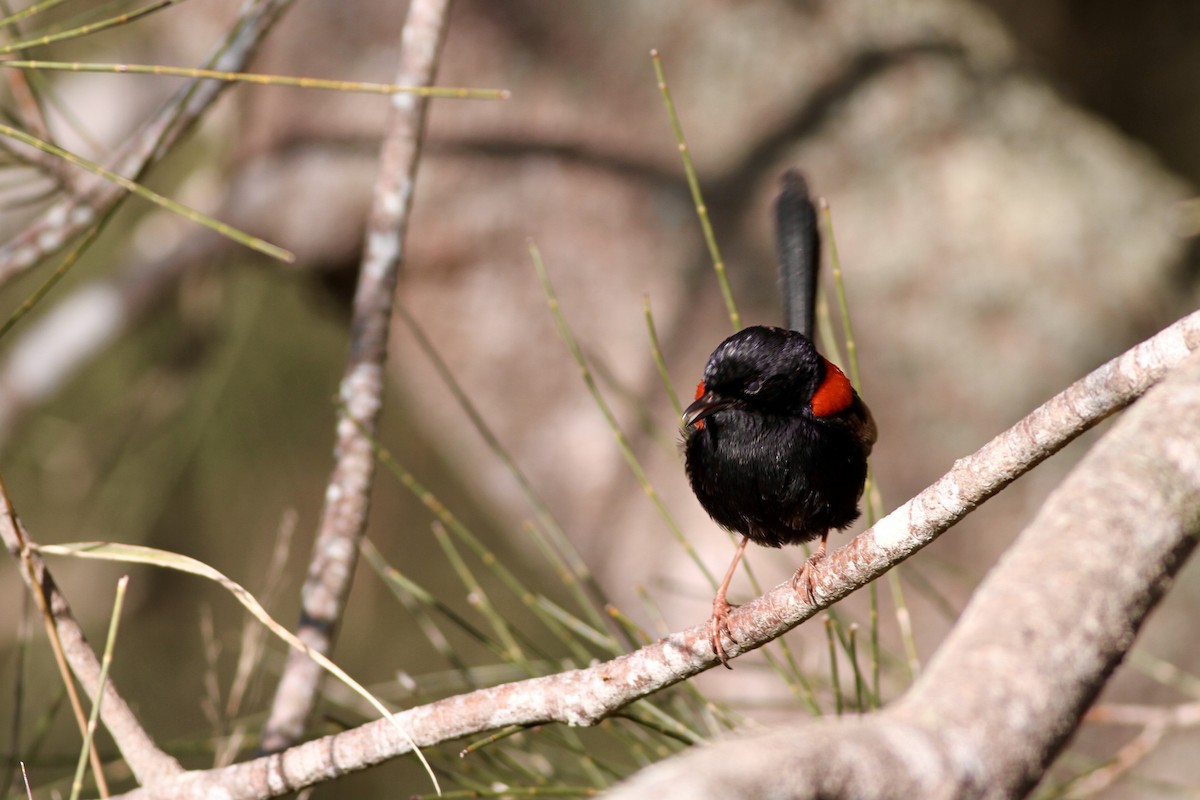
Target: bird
[[776, 447], [777, 440]]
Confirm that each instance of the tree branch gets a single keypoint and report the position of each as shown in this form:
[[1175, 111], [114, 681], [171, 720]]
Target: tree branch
[[586, 696], [347, 498]]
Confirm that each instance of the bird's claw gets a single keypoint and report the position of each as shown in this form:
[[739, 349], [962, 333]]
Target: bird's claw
[[718, 624], [804, 582]]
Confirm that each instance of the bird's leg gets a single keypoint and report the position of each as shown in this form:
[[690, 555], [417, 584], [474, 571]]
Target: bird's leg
[[804, 582], [718, 623]]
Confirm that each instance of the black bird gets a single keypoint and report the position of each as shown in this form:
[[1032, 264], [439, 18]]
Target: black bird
[[777, 440]]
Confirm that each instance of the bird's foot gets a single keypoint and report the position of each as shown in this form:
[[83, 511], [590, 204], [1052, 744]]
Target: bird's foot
[[718, 624], [804, 582]]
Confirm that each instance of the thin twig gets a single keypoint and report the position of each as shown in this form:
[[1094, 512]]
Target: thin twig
[[689, 169], [293, 81], [105, 663], [347, 498]]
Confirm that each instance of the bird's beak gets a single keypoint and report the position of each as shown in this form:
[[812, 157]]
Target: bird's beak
[[705, 405]]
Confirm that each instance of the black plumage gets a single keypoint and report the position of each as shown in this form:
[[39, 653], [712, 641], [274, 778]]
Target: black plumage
[[776, 445]]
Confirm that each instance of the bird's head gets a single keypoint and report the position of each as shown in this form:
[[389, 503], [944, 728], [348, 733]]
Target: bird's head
[[771, 371]]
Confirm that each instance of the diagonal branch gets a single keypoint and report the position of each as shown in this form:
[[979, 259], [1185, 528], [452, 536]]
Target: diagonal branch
[[586, 696], [347, 499]]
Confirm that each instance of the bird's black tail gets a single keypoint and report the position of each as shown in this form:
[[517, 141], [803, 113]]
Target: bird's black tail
[[799, 249]]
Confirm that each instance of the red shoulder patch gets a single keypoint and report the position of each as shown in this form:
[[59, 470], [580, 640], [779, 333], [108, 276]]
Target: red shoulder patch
[[834, 394], [700, 390]]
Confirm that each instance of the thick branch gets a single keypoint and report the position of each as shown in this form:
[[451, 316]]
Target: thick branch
[[1031, 652], [584, 697], [347, 498]]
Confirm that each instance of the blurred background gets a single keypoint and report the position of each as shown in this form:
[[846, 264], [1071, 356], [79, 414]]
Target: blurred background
[[1009, 183]]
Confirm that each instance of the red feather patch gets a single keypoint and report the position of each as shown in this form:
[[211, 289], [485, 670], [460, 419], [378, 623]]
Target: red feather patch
[[834, 394]]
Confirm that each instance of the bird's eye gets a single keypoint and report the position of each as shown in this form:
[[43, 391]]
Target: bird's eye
[[753, 387]]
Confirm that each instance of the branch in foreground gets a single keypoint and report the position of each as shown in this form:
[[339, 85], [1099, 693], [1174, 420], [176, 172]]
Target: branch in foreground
[[1034, 647], [347, 498], [584, 697]]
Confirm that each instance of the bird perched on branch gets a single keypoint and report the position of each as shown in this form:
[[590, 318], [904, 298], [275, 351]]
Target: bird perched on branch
[[777, 440]]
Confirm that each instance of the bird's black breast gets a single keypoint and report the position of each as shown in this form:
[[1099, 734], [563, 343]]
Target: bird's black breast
[[778, 479]]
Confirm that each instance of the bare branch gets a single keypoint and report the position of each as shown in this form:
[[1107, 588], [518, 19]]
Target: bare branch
[[586, 696], [347, 497]]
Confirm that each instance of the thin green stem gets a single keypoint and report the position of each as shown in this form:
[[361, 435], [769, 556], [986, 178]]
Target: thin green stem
[[59, 273], [873, 598], [583, 600], [513, 791], [404, 585], [36, 8], [843, 306], [590, 597], [453, 92], [228, 231], [416, 599], [795, 678], [90, 28], [834, 680], [904, 621], [860, 683], [689, 170], [626, 623], [659, 361], [1165, 673], [447, 518], [110, 644], [568, 622], [670, 728], [479, 744], [623, 444], [479, 597]]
